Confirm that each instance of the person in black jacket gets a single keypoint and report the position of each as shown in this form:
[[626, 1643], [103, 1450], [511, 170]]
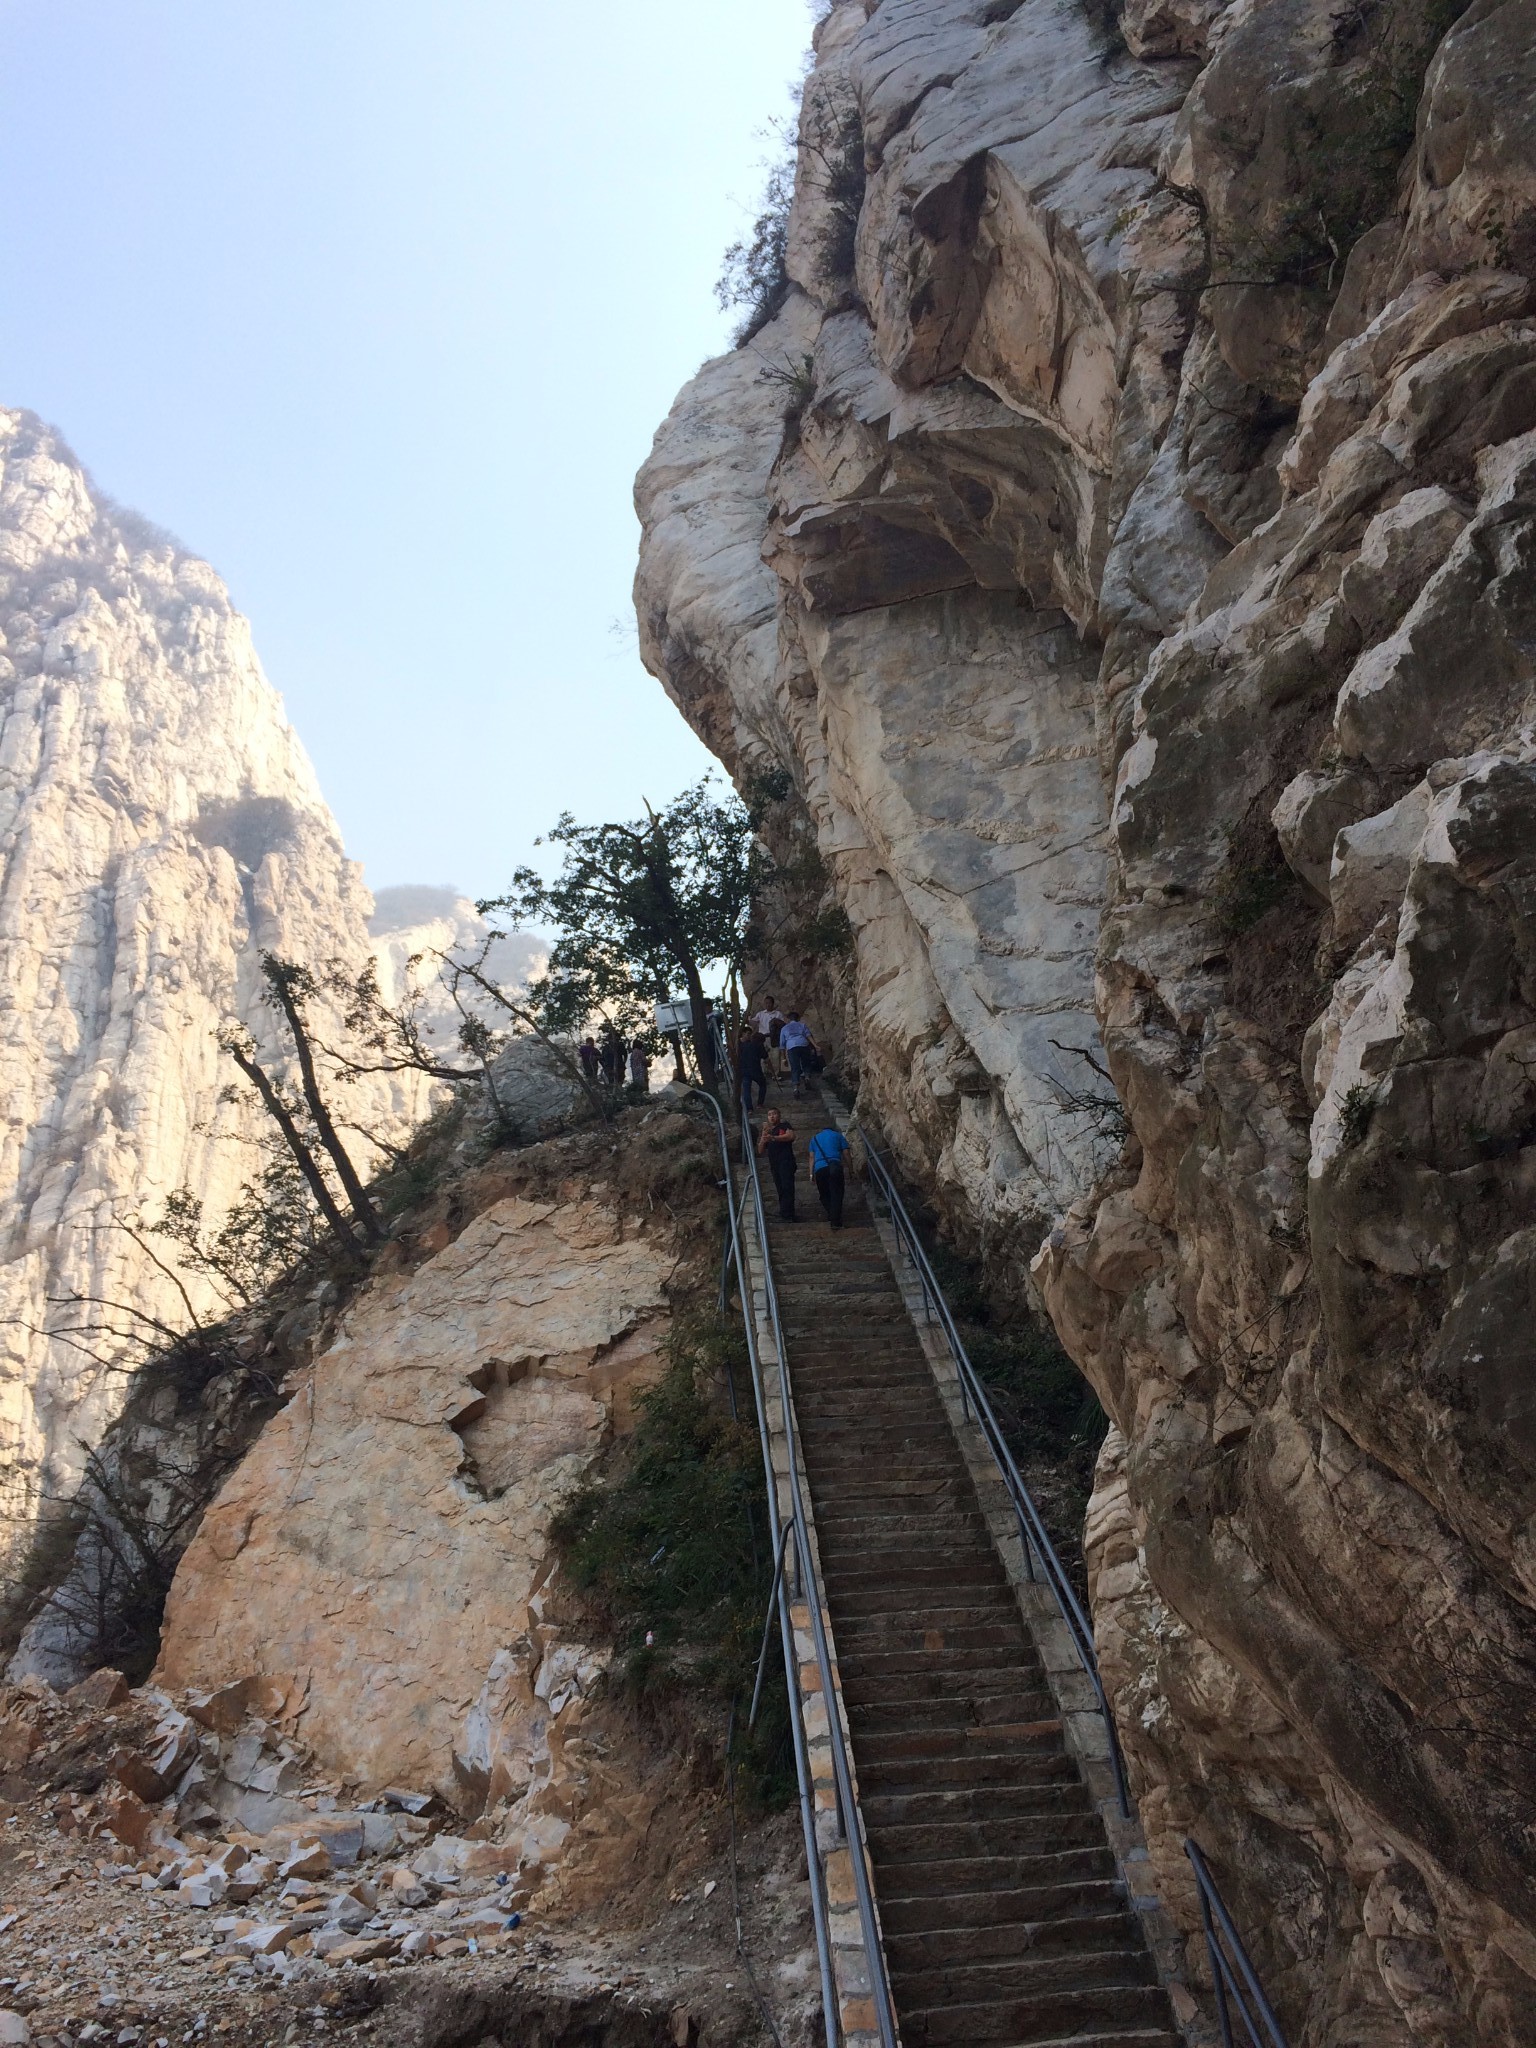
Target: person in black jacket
[[751, 1069], [777, 1146]]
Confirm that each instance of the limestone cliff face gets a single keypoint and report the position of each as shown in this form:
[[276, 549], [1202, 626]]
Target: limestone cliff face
[[1126, 538], [159, 827], [419, 934]]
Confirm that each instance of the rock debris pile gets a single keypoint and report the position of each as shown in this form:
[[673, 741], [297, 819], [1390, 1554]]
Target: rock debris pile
[[212, 1807], [175, 1868]]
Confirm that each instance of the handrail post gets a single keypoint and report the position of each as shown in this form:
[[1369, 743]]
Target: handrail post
[[1234, 1973], [768, 1621]]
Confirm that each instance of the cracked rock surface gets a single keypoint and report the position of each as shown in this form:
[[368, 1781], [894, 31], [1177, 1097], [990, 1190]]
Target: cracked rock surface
[[1124, 541]]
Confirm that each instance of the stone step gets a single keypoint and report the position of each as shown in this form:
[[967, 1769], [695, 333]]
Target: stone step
[[887, 1408], [898, 1500], [947, 1948], [858, 1335], [867, 1572], [1068, 2014], [963, 1911], [871, 1395], [891, 1526], [847, 1551], [870, 1641], [1007, 1978], [947, 1879], [984, 1605], [854, 1435], [993, 1681], [1051, 1786], [957, 1574], [837, 1434], [856, 1549], [901, 1776], [833, 1477], [838, 1459], [883, 1489], [911, 1717], [937, 1747], [1049, 1833]]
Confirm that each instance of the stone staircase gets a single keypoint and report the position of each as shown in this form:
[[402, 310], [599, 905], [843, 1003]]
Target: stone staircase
[[1005, 1922]]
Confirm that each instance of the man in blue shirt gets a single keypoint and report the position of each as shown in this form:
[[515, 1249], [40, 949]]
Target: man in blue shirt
[[829, 1148]]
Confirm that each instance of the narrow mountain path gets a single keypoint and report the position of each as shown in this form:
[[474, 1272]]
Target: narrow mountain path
[[1005, 1922]]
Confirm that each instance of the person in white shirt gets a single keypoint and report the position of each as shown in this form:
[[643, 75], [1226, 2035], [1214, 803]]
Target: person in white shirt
[[770, 1022]]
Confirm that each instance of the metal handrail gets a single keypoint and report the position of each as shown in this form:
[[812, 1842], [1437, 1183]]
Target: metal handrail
[[1226, 1970], [1038, 1546], [820, 1904], [842, 1767]]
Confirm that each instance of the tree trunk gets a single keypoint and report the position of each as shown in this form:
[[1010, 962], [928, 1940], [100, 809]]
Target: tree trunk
[[277, 1109], [346, 1172], [703, 1037]]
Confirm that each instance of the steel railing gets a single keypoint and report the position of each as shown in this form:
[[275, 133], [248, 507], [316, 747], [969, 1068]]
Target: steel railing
[[1235, 1981], [1040, 1558], [793, 1536], [1233, 1975]]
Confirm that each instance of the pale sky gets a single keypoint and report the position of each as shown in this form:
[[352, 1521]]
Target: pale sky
[[377, 306]]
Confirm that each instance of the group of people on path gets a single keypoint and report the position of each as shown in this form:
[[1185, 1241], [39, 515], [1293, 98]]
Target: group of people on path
[[828, 1150], [612, 1058], [772, 1042]]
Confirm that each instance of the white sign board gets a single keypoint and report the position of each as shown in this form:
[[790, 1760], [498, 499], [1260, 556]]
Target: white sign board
[[672, 1017]]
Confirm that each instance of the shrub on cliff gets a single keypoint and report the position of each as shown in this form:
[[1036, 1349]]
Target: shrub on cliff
[[670, 1548], [754, 276]]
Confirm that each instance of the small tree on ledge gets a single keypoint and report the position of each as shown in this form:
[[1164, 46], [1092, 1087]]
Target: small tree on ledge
[[639, 908]]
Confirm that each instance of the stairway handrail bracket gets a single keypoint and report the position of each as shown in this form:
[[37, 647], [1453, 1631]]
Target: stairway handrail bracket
[[1038, 1547]]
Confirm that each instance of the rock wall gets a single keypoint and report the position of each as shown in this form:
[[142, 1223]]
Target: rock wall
[[1125, 538], [159, 827], [419, 933], [383, 1552]]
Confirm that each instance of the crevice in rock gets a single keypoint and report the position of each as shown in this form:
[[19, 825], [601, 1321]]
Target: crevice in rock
[[485, 1426]]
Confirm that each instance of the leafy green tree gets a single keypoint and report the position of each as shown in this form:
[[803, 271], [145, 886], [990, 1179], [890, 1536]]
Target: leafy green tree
[[270, 1226], [639, 908], [389, 1039]]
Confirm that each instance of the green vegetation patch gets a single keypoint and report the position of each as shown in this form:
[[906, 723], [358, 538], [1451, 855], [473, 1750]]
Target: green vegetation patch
[[669, 1544], [1046, 1410]]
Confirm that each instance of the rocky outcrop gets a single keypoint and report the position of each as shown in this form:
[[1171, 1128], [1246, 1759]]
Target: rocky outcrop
[[1123, 539], [384, 1549], [159, 827]]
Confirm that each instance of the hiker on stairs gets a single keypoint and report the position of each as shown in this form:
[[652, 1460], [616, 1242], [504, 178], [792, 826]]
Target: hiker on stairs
[[799, 1046], [777, 1146], [751, 1051], [828, 1150]]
